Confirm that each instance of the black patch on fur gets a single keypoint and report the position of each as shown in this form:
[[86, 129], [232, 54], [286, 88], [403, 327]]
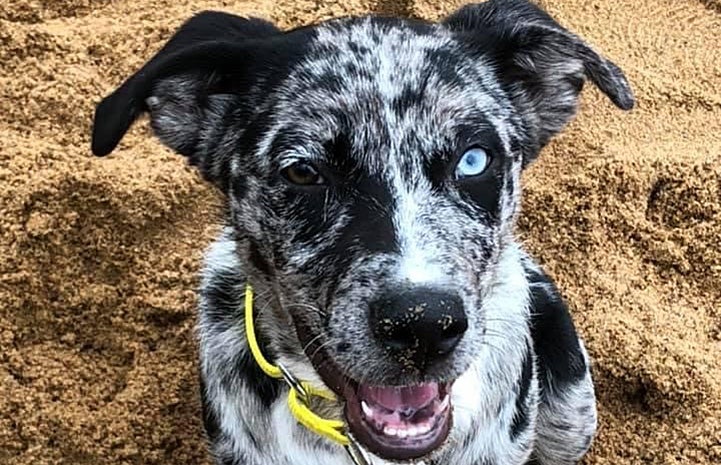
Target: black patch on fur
[[520, 417], [371, 225], [446, 64], [366, 201], [257, 259], [339, 153], [369, 206], [267, 389], [560, 359], [330, 82], [240, 187], [210, 421], [483, 190], [342, 347], [357, 49], [223, 296], [409, 97]]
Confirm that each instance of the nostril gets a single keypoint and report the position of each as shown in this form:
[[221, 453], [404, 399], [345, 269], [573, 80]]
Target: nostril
[[395, 335], [452, 331], [448, 342], [401, 341]]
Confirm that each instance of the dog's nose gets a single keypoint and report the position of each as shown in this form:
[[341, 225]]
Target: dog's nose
[[418, 324]]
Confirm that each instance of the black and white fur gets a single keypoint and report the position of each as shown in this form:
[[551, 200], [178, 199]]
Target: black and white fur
[[384, 105]]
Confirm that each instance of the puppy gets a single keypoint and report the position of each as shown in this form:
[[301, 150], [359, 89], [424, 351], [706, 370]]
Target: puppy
[[371, 170]]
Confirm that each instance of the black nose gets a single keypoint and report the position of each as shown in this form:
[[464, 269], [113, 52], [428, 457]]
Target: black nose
[[420, 324]]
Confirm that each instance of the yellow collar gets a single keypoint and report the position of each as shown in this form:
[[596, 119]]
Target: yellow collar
[[300, 392]]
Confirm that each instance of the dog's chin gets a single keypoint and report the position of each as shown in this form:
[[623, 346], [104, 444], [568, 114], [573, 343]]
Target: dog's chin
[[399, 422]]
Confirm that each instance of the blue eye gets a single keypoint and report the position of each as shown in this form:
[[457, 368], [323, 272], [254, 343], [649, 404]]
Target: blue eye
[[472, 163]]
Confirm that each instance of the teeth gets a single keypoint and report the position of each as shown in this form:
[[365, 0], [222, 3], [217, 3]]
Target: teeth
[[445, 403], [424, 428], [410, 432], [379, 418], [366, 409]]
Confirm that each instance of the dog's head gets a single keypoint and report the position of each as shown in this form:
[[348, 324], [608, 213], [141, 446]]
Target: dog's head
[[371, 167]]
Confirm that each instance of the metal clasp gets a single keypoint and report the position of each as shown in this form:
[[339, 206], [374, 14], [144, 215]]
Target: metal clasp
[[294, 384], [355, 453]]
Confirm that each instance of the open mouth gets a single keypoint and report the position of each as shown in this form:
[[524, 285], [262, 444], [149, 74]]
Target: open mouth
[[399, 422], [393, 422]]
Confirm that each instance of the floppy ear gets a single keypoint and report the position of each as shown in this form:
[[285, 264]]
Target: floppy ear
[[210, 63], [542, 65]]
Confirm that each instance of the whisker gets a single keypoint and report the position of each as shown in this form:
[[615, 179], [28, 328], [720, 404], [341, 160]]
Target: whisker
[[307, 306], [486, 343], [312, 341], [325, 206], [318, 349]]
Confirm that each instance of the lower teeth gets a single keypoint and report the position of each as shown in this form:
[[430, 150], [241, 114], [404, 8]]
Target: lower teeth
[[413, 431]]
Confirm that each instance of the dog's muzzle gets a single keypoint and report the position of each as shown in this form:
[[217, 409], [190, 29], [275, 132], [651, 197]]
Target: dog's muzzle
[[418, 328], [396, 422]]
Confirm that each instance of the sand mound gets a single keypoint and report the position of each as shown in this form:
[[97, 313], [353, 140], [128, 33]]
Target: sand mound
[[97, 359]]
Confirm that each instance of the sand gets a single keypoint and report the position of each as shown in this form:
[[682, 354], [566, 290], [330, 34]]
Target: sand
[[99, 256]]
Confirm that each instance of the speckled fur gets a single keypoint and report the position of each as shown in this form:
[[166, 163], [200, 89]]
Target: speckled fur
[[386, 106]]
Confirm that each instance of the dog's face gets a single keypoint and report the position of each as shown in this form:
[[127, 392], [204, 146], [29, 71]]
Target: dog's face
[[371, 168]]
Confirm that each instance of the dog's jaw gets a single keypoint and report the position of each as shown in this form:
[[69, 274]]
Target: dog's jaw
[[393, 422]]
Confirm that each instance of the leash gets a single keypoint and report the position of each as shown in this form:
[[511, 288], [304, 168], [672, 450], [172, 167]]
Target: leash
[[300, 393]]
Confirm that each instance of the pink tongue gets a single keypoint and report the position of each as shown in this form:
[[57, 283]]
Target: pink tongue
[[400, 398]]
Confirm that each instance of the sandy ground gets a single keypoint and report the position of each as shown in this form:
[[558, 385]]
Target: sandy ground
[[98, 257]]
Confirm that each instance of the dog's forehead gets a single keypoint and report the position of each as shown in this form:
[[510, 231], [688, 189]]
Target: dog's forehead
[[391, 86], [389, 54]]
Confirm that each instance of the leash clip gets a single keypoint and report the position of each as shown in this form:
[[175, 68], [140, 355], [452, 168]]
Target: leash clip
[[295, 384], [354, 452]]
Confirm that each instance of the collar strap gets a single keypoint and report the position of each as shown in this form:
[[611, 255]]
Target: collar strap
[[300, 391]]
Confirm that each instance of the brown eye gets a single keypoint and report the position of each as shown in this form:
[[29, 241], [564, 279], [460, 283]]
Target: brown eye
[[303, 174]]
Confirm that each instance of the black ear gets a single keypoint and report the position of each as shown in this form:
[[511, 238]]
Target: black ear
[[542, 65], [208, 63]]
